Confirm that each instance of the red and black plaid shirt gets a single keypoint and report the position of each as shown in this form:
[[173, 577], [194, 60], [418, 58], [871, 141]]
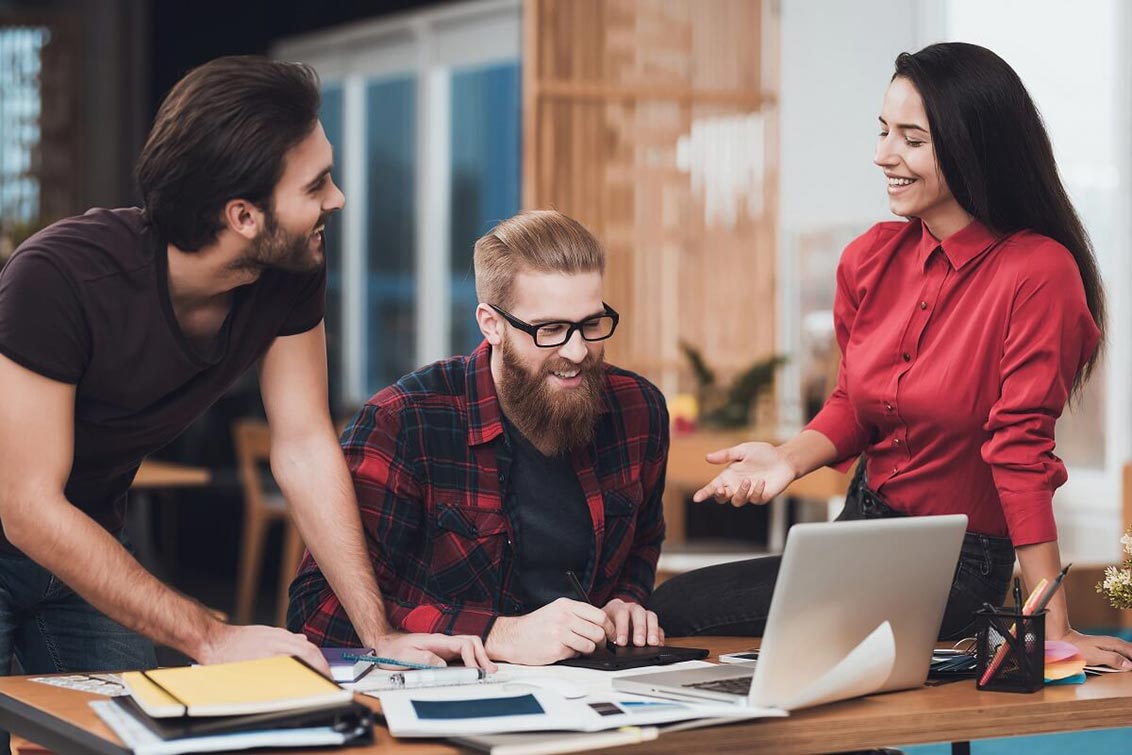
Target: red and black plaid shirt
[[430, 468]]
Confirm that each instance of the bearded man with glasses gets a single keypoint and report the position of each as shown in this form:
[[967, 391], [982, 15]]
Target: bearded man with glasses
[[487, 481]]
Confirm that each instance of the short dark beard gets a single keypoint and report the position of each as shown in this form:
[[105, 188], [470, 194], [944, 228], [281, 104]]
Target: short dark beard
[[554, 421], [276, 249]]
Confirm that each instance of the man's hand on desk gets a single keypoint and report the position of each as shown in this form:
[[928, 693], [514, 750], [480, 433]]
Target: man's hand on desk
[[435, 649], [558, 630], [1100, 650], [632, 624], [244, 643], [755, 473]]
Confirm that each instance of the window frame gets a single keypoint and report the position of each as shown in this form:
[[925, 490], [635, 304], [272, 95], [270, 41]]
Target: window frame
[[428, 45]]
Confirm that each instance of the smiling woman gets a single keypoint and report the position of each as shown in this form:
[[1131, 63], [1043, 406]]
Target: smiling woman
[[905, 152], [964, 331]]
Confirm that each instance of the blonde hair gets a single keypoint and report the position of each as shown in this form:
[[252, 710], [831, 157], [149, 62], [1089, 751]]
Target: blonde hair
[[544, 241]]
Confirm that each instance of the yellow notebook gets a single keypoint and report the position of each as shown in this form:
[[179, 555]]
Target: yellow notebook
[[233, 689]]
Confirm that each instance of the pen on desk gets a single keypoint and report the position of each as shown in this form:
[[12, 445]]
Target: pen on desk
[[581, 595], [436, 677], [389, 662]]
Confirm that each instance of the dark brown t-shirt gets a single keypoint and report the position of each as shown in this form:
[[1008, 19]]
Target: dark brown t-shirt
[[86, 301]]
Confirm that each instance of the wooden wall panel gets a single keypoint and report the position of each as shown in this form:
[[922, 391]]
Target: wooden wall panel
[[634, 113]]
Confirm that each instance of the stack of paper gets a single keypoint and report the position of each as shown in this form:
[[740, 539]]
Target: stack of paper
[[1064, 664], [142, 736], [277, 702]]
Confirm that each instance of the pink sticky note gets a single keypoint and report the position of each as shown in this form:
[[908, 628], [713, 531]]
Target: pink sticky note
[[1056, 650]]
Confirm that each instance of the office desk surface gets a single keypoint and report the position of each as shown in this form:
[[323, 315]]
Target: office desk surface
[[61, 719]]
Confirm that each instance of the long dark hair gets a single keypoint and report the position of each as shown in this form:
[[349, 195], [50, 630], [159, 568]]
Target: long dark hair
[[996, 157], [221, 134]]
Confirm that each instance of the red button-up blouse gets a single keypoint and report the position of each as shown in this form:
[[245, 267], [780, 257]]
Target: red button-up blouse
[[958, 358]]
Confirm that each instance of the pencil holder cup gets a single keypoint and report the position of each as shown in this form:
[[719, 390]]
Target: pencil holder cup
[[1011, 650]]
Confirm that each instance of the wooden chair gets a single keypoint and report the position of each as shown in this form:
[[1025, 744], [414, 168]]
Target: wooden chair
[[263, 505]]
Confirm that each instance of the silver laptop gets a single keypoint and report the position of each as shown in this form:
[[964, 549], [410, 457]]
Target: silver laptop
[[839, 582]]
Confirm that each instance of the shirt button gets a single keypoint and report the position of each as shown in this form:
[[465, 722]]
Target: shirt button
[[896, 442], [923, 305], [887, 406], [907, 357]]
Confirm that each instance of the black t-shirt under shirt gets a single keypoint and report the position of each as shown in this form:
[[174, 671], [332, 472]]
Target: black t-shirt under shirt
[[86, 301], [554, 527]]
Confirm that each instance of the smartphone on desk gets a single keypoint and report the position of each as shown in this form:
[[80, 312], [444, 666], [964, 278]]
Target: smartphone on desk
[[747, 656], [619, 657]]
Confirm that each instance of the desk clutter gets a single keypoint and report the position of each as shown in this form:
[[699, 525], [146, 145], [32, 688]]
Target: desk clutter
[[270, 702], [1013, 655], [1062, 663], [925, 714], [524, 699]]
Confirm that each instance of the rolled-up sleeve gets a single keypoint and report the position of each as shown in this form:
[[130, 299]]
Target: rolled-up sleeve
[[1050, 337]]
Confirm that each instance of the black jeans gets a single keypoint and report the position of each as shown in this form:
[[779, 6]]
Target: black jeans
[[734, 599]]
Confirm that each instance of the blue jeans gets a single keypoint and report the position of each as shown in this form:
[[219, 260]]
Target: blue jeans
[[49, 629]]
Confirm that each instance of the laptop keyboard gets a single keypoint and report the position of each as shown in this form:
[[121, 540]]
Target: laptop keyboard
[[739, 685]]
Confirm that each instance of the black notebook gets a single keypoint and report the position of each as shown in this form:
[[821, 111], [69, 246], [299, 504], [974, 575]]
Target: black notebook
[[352, 719]]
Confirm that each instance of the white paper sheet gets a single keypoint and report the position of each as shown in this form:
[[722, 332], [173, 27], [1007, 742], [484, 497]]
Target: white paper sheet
[[558, 712], [862, 672], [571, 681], [142, 741]]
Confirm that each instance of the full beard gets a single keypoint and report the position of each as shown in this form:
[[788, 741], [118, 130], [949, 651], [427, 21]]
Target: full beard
[[554, 421], [275, 248]]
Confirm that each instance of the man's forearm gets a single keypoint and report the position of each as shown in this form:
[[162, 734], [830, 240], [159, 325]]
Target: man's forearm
[[316, 483], [88, 559]]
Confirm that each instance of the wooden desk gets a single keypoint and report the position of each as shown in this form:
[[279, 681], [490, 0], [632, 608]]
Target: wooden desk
[[61, 719], [688, 471]]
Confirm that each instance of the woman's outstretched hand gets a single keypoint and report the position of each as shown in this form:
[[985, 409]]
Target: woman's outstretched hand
[[755, 473]]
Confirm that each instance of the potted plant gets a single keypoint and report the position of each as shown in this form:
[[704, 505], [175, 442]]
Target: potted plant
[[729, 407]]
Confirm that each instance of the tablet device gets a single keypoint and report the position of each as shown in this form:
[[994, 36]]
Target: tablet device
[[630, 656]]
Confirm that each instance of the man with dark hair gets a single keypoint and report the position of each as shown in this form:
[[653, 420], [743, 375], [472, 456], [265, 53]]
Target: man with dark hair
[[485, 480], [119, 327]]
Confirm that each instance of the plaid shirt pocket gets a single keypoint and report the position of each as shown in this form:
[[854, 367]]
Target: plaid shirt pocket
[[467, 554], [621, 507]]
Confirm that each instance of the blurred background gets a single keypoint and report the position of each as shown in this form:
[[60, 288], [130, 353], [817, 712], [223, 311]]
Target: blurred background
[[722, 150]]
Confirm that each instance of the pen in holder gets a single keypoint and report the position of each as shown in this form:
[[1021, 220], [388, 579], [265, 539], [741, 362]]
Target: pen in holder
[[1011, 650]]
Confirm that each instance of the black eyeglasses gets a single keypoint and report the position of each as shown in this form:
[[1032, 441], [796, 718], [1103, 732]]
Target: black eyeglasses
[[547, 335]]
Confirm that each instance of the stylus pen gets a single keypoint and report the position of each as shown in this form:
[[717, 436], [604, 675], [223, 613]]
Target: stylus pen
[[1051, 589], [581, 595]]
